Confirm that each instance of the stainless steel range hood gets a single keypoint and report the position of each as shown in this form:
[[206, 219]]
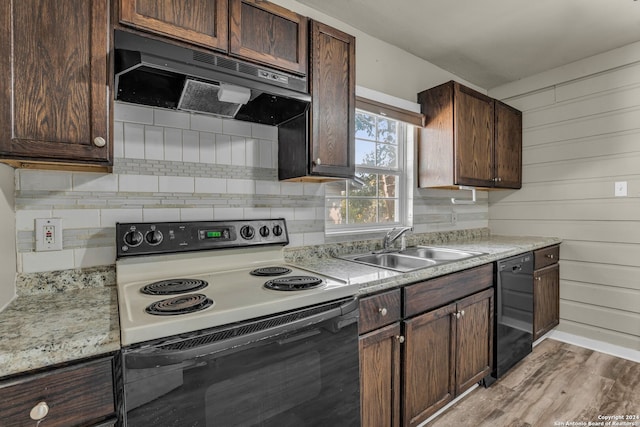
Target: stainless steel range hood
[[158, 74]]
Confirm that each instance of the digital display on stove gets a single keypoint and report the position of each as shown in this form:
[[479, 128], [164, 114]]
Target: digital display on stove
[[215, 234]]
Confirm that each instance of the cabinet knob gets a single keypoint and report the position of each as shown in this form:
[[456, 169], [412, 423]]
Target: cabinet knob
[[318, 161], [462, 313], [39, 411], [456, 314], [538, 278], [550, 256], [99, 141], [383, 311], [400, 338]]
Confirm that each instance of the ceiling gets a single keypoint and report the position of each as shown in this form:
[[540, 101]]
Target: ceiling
[[493, 42]]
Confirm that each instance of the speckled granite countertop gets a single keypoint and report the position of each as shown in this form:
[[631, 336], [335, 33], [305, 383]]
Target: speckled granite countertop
[[59, 317], [373, 279], [68, 315]]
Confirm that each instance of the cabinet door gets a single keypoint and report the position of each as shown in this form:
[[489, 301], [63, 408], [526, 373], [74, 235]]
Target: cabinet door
[[508, 146], [54, 103], [429, 364], [270, 34], [79, 395], [474, 356], [473, 141], [200, 22], [546, 300], [380, 377], [332, 77]]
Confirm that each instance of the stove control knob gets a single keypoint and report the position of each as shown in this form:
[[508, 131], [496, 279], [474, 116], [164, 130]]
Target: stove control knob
[[133, 238], [264, 231], [277, 230], [154, 237], [247, 232]]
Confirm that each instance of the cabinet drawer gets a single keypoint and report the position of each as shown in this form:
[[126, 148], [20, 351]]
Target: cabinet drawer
[[76, 395], [436, 292], [546, 256], [379, 310]]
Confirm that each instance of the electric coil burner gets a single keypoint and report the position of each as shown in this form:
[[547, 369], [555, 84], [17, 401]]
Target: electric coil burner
[[293, 283], [270, 271], [183, 304], [173, 286], [180, 277]]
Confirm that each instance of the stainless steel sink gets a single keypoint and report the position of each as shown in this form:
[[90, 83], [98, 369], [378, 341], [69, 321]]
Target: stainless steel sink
[[411, 259], [438, 254], [392, 261]]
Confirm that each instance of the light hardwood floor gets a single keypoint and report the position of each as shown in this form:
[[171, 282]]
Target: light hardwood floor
[[557, 385]]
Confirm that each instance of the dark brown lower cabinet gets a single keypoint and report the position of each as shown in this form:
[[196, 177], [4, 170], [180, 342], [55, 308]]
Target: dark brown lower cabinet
[[77, 395], [380, 377], [546, 298], [447, 350]]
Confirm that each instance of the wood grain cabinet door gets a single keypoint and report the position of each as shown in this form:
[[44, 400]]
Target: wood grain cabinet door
[[473, 137], [54, 88], [380, 377], [508, 146], [267, 33], [332, 77], [429, 364], [546, 300], [202, 22], [474, 356]]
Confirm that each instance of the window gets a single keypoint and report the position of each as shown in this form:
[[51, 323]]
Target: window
[[376, 198]]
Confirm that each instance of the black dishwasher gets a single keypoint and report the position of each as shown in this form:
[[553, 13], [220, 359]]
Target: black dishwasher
[[513, 314]]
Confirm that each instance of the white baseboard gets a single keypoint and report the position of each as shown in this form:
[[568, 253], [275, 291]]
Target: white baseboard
[[601, 346]]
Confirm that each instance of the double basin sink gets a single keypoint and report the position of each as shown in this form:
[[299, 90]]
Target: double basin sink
[[413, 258]]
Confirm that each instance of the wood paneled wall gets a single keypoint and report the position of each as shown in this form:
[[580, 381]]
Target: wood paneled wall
[[581, 136]]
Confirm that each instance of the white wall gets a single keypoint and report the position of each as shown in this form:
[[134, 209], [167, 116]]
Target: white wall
[[7, 236], [581, 134]]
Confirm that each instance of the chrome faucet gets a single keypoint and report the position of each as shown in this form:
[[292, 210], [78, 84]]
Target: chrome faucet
[[389, 238]]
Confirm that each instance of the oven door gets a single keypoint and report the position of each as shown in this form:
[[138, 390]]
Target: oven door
[[298, 368]]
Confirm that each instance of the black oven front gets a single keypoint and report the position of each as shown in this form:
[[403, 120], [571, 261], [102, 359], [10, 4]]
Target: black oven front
[[298, 368]]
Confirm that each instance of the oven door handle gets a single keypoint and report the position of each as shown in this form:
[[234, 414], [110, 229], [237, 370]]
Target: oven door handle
[[152, 357]]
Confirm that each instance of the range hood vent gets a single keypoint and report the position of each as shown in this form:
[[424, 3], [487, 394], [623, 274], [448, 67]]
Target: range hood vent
[[151, 72]]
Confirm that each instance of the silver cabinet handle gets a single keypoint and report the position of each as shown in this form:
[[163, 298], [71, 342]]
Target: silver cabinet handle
[[400, 338], [39, 411], [99, 141], [383, 311]]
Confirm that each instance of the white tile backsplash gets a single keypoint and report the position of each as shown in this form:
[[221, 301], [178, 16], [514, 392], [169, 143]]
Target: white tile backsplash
[[207, 147], [210, 185], [34, 262], [161, 214], [153, 143], [265, 154], [171, 118], [118, 140], [176, 184], [109, 217], [92, 257], [307, 214], [228, 213], [44, 180], [292, 188], [223, 149], [78, 218], [138, 183], [268, 187], [132, 113], [190, 146], [25, 218], [85, 181], [236, 127], [196, 214], [173, 144], [256, 213], [206, 123], [238, 151], [241, 186], [133, 141], [264, 132]]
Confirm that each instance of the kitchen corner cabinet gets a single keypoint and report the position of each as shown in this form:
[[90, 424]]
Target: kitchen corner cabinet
[[449, 348], [546, 290], [54, 86], [380, 341], [320, 144], [469, 139], [78, 395], [204, 23]]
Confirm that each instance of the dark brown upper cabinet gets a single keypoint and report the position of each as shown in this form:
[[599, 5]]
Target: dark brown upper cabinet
[[267, 33], [320, 145], [204, 23], [54, 86], [469, 139]]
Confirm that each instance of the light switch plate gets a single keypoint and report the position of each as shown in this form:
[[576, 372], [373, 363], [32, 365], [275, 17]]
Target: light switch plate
[[48, 234], [621, 189]]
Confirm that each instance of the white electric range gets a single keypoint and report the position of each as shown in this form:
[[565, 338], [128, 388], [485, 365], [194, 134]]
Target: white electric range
[[178, 277]]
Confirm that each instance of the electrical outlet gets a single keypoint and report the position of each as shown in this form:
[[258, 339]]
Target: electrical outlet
[[48, 234]]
